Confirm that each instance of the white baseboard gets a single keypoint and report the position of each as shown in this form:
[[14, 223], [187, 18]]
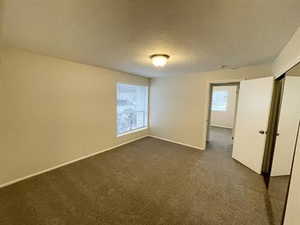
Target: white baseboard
[[69, 162], [176, 142], [90, 155]]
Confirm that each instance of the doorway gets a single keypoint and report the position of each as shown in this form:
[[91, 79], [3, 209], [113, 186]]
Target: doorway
[[223, 100], [273, 128]]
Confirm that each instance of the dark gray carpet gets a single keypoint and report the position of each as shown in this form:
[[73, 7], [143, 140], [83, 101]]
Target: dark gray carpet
[[143, 183]]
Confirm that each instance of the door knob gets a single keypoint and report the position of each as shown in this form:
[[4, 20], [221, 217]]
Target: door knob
[[261, 132]]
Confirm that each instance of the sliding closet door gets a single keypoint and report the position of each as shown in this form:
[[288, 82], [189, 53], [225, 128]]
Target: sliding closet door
[[292, 216], [287, 128], [252, 121]]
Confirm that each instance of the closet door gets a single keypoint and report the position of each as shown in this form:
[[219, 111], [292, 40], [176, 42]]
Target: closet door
[[292, 216], [287, 127]]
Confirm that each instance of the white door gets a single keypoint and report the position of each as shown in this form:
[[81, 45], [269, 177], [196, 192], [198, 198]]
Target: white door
[[287, 127], [252, 120]]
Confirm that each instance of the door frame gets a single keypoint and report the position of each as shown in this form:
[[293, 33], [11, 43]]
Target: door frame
[[207, 116], [272, 131]]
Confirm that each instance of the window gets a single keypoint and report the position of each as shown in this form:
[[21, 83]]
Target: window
[[219, 101], [132, 107]]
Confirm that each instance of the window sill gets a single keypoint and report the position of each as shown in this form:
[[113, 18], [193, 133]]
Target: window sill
[[132, 131]]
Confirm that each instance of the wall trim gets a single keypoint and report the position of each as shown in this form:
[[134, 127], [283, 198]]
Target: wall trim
[[176, 142], [69, 162]]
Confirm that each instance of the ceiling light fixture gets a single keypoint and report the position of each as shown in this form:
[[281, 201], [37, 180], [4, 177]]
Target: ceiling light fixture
[[159, 60]]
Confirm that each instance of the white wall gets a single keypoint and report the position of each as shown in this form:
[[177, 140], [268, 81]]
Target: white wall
[[179, 104], [225, 118], [289, 56], [54, 111]]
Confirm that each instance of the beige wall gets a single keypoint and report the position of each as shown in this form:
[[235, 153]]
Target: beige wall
[[225, 118], [54, 111], [179, 104], [295, 71], [289, 56]]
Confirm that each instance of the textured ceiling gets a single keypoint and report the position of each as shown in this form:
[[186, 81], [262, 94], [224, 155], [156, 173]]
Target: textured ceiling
[[199, 35]]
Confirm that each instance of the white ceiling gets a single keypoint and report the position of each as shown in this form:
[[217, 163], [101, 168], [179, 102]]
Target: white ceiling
[[199, 35]]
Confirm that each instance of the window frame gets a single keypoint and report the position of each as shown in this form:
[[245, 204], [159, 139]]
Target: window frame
[[146, 123]]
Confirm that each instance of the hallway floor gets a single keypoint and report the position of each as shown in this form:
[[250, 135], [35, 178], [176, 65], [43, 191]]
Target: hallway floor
[[147, 182]]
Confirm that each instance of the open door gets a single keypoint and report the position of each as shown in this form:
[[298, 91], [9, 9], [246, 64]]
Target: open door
[[252, 122]]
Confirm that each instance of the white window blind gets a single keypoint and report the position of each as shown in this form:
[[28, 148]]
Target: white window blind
[[132, 107], [219, 101]]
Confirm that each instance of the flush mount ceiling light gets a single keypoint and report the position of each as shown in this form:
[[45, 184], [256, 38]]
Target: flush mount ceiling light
[[159, 60]]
